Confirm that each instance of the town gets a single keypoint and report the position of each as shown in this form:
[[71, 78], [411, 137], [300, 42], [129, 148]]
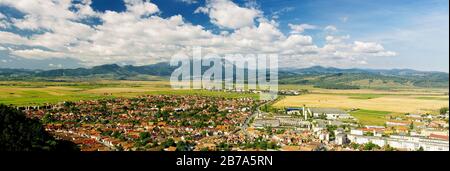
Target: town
[[204, 123]]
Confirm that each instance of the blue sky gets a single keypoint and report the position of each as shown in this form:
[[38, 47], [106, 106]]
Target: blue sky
[[339, 33]]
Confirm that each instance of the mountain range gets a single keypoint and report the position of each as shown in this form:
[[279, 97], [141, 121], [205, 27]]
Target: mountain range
[[325, 77]]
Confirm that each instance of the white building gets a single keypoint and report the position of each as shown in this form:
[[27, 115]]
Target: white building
[[330, 113], [403, 142], [341, 139], [260, 123]]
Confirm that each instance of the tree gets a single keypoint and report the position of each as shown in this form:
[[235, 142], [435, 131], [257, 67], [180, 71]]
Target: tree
[[443, 110], [354, 145], [47, 118], [183, 146], [420, 149], [19, 133], [168, 143], [144, 135], [370, 146]]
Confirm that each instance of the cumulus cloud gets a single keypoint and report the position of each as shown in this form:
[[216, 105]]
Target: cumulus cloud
[[226, 14], [300, 28], [140, 8], [368, 47], [330, 28], [140, 35]]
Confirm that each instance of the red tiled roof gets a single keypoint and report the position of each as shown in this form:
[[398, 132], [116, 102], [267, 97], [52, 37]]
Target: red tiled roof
[[443, 137]]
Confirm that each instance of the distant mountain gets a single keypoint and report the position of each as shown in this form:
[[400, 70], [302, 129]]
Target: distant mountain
[[332, 70], [325, 77], [160, 69], [328, 77]]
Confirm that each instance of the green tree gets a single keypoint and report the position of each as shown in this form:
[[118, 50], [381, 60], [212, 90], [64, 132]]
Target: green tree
[[19, 133], [47, 118], [420, 149], [370, 146], [443, 110]]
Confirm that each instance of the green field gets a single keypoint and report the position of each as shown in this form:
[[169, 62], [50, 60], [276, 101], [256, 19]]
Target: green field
[[365, 96], [433, 98], [370, 117], [37, 93]]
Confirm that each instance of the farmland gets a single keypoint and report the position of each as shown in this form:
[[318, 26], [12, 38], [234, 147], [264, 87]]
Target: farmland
[[35, 93], [370, 117], [392, 103], [372, 106]]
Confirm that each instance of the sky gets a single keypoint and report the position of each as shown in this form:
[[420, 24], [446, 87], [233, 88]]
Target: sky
[[381, 34]]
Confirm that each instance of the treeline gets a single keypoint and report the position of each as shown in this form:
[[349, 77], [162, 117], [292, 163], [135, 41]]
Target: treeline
[[19, 133], [336, 86], [345, 80]]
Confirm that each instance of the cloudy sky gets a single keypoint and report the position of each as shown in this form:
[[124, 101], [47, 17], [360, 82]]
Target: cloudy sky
[[48, 34]]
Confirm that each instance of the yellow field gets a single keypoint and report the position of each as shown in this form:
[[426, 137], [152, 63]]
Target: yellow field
[[393, 103]]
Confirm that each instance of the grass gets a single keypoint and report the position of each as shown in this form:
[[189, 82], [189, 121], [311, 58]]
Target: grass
[[433, 98], [370, 117], [365, 96], [37, 93]]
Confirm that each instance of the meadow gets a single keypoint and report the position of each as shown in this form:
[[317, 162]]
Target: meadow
[[370, 117], [38, 93]]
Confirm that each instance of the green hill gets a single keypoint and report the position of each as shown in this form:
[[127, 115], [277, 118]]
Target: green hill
[[19, 133]]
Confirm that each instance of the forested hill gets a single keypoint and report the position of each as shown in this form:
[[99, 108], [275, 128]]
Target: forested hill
[[325, 77]]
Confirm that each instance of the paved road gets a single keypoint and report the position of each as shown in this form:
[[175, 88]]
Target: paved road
[[250, 117]]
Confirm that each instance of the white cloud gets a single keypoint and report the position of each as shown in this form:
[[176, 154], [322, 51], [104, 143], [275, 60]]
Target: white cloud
[[336, 39], [189, 1], [55, 65], [300, 28], [11, 38], [3, 21], [226, 14], [38, 54], [140, 8], [143, 37], [344, 19], [367, 47], [276, 14], [330, 28]]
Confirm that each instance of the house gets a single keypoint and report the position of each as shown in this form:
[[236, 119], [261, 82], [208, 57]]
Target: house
[[341, 139], [397, 123], [403, 142], [294, 111], [428, 132], [324, 136], [439, 137], [266, 122], [356, 132], [330, 113]]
